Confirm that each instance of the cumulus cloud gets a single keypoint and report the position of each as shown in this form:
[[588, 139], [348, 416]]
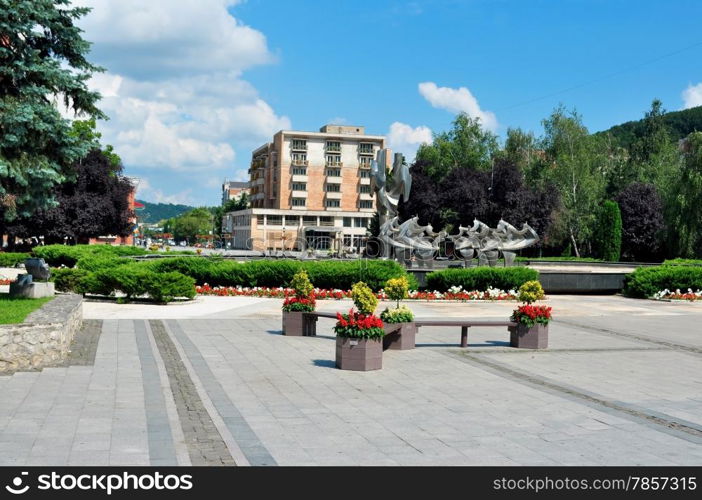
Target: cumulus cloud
[[457, 101], [174, 90], [692, 96], [405, 139]]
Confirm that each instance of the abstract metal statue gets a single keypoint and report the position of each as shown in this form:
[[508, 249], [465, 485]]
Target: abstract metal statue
[[410, 239]]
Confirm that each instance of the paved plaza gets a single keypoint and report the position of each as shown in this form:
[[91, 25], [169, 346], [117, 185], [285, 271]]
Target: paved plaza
[[215, 382]]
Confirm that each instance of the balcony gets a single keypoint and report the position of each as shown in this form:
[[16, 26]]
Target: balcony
[[256, 196], [364, 166], [258, 182], [365, 181], [333, 164], [366, 196], [299, 163], [258, 164], [333, 179], [300, 146], [331, 195], [365, 150], [333, 148], [299, 178], [299, 194]]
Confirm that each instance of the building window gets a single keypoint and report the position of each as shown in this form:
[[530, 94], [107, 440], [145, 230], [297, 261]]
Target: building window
[[365, 161], [326, 221], [332, 203], [299, 144], [309, 219], [333, 172], [298, 202], [348, 222], [299, 171], [333, 188], [275, 220], [365, 174], [361, 221], [292, 220], [365, 189], [260, 219], [365, 148], [333, 147], [333, 160], [365, 204], [302, 186]]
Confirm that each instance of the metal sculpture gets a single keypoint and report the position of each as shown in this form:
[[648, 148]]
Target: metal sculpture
[[409, 239], [38, 269]]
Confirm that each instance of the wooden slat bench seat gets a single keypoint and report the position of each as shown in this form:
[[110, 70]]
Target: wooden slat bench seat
[[464, 324]]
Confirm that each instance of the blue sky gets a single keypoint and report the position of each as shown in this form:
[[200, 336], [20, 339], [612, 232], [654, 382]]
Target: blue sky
[[193, 85]]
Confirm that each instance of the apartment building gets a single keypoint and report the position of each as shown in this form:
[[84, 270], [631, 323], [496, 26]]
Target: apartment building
[[233, 189], [308, 189]]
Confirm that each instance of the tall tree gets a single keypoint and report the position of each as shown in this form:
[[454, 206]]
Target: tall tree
[[576, 170], [687, 208], [642, 222], [466, 145], [196, 222], [42, 60]]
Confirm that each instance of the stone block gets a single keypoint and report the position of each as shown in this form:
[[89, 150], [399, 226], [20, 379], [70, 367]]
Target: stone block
[[33, 290]]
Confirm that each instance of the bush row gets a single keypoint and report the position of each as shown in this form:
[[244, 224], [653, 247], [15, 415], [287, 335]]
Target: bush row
[[481, 278], [65, 255], [646, 281], [276, 273], [8, 259], [682, 262], [133, 280]]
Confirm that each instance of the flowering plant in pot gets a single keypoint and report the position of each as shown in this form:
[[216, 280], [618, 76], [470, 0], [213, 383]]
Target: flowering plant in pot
[[296, 305], [532, 321], [359, 333], [400, 329]]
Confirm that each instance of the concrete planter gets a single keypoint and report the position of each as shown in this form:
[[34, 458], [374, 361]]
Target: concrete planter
[[523, 337], [299, 324], [359, 354], [399, 336]]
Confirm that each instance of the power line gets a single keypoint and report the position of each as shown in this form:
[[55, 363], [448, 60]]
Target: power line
[[601, 78]]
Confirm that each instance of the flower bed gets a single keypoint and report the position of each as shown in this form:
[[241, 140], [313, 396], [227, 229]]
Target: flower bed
[[6, 281], [455, 293], [678, 295]]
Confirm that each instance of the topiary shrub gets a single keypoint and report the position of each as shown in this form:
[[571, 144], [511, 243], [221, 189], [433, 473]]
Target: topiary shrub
[[608, 235], [481, 278], [164, 287], [530, 292], [67, 279], [397, 289], [363, 298], [300, 282]]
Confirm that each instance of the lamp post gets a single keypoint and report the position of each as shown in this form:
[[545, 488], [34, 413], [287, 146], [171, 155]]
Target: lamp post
[[283, 238]]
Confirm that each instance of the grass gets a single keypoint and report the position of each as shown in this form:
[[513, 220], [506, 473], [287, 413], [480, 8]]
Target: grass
[[15, 309]]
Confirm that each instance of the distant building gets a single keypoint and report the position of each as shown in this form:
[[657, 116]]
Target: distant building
[[308, 189], [232, 190]]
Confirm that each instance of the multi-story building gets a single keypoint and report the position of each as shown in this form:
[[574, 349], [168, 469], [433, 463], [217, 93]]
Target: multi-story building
[[233, 189], [308, 189]]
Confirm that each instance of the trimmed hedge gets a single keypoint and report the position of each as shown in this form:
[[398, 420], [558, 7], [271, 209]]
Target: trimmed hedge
[[646, 281], [481, 278], [67, 279], [9, 259], [682, 262], [65, 255], [99, 262], [137, 280], [278, 273]]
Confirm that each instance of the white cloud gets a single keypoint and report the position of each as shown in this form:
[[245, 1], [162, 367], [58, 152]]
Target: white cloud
[[181, 198], [174, 90], [403, 138], [692, 96], [457, 101]]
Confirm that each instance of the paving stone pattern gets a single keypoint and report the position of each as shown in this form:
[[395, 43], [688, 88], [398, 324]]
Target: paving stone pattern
[[620, 385]]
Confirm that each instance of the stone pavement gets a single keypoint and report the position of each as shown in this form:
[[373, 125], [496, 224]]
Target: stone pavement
[[214, 382]]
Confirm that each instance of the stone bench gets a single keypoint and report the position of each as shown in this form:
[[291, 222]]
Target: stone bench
[[464, 324]]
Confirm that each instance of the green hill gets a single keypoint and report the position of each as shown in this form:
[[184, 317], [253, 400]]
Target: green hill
[[154, 212], [679, 123]]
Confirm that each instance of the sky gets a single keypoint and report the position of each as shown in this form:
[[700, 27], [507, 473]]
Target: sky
[[193, 86]]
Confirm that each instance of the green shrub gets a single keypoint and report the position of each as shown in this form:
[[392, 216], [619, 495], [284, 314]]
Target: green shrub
[[646, 281], [301, 284], [67, 279], [363, 298], [682, 262], [481, 278], [396, 289], [608, 235], [530, 292], [100, 262], [138, 280], [68, 255], [214, 272], [9, 259], [164, 287]]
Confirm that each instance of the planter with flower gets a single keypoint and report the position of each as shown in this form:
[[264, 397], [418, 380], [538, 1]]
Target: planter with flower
[[532, 321], [295, 321], [400, 330], [359, 333]]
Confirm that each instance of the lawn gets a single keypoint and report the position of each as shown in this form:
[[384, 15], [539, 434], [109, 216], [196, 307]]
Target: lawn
[[14, 310]]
